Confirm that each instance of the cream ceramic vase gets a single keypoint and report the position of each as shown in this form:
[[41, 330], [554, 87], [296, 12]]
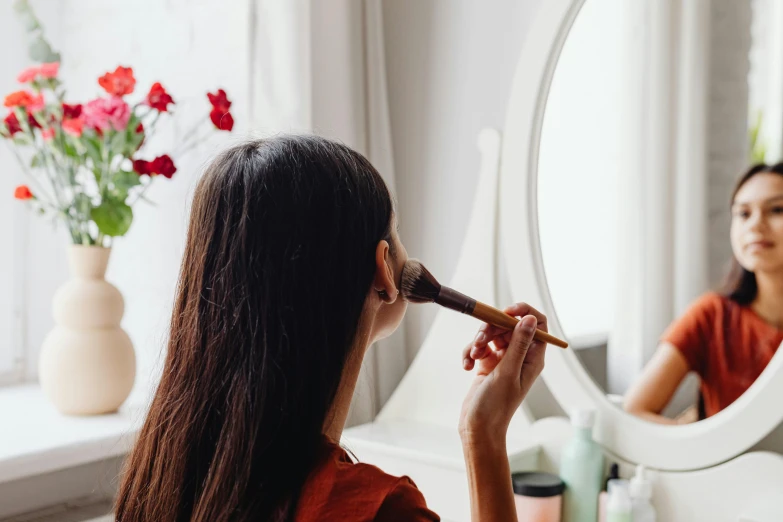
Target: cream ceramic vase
[[87, 365]]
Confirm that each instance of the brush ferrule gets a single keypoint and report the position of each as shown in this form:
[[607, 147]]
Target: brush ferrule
[[455, 300]]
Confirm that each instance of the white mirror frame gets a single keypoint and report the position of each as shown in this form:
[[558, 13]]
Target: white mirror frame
[[674, 448]]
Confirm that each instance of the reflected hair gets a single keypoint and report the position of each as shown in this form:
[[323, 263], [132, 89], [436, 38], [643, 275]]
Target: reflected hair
[[278, 263], [740, 284]]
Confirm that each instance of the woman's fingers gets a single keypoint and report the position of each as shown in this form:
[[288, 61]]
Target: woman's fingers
[[480, 347], [467, 360], [523, 309], [486, 334], [517, 350]]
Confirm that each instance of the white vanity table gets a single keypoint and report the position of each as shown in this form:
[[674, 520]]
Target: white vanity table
[[706, 471]]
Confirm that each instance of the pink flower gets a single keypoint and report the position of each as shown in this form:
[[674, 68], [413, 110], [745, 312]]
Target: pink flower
[[73, 126], [103, 113], [47, 70], [37, 104], [50, 70], [28, 74], [48, 134]]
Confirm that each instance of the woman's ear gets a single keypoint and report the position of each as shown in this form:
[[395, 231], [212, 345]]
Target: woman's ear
[[384, 282]]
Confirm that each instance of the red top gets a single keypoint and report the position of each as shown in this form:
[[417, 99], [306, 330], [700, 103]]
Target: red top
[[338, 489], [727, 344]]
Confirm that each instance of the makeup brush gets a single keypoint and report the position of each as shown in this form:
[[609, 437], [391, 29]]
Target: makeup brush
[[420, 286]]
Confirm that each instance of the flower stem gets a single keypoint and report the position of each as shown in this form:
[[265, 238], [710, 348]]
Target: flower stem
[[194, 129], [38, 188]]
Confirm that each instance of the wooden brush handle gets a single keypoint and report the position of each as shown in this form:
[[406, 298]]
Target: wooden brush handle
[[495, 317]]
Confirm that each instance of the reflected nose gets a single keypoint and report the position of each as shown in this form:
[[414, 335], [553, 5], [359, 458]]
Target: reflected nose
[[756, 221]]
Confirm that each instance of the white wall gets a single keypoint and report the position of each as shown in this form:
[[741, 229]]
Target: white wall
[[449, 69]]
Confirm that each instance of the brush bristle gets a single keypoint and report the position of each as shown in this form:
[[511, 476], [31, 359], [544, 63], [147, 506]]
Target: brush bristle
[[418, 285]]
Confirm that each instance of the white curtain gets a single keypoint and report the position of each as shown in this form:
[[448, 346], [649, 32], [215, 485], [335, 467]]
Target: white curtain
[[319, 67], [662, 226]]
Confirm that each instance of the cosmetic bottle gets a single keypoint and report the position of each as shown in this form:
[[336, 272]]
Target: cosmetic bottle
[[614, 473], [619, 507], [582, 468], [641, 496]]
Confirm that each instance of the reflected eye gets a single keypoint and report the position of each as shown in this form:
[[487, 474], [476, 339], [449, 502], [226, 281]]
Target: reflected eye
[[777, 210], [742, 214]]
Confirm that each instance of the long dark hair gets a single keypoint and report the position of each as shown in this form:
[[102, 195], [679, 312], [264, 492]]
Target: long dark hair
[[740, 284], [279, 259]]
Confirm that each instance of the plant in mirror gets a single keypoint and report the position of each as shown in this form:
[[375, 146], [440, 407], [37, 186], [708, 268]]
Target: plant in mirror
[[666, 272]]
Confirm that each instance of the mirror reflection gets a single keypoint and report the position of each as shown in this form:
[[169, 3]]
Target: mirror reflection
[[660, 200]]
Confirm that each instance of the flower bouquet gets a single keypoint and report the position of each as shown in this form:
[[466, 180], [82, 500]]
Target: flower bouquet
[[87, 169]]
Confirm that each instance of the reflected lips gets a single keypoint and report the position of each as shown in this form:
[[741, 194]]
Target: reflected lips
[[759, 245]]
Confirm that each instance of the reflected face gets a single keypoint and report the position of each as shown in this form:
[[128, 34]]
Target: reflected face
[[757, 223]]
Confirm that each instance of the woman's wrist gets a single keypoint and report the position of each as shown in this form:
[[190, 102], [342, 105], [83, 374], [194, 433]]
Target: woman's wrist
[[483, 443]]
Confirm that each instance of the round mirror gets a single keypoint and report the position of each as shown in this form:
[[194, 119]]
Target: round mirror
[[640, 118], [652, 117]]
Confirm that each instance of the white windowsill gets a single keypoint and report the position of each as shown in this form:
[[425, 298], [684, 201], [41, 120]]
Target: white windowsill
[[35, 438]]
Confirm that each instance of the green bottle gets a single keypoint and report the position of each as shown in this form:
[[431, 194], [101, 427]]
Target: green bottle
[[582, 469]]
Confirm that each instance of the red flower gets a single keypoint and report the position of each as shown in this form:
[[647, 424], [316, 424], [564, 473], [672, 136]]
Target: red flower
[[142, 167], [20, 99], [73, 126], [222, 119], [118, 83], [32, 121], [164, 166], [72, 111], [23, 193], [48, 134], [219, 100], [158, 98], [12, 123]]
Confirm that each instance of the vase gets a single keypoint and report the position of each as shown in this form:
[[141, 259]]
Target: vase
[[87, 365]]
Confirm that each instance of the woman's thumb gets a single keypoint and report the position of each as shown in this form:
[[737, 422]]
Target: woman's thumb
[[517, 348]]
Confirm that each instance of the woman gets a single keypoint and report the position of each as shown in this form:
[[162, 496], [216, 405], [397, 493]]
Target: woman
[[291, 271], [727, 339]]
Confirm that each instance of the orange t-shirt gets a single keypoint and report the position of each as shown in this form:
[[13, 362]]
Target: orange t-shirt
[[727, 344], [339, 490]]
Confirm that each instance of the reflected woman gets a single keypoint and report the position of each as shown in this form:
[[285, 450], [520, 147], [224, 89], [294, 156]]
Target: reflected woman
[[727, 338]]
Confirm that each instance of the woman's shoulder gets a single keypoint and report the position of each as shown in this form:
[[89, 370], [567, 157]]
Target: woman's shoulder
[[709, 303], [339, 489], [404, 502]]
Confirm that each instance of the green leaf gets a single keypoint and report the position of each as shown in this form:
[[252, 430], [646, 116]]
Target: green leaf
[[117, 144], [22, 140], [25, 14], [39, 48], [124, 181], [113, 217], [93, 148], [69, 148], [133, 138], [41, 51], [37, 161]]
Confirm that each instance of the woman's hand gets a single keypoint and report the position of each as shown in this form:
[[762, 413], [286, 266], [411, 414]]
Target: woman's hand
[[655, 387], [507, 364], [504, 374]]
